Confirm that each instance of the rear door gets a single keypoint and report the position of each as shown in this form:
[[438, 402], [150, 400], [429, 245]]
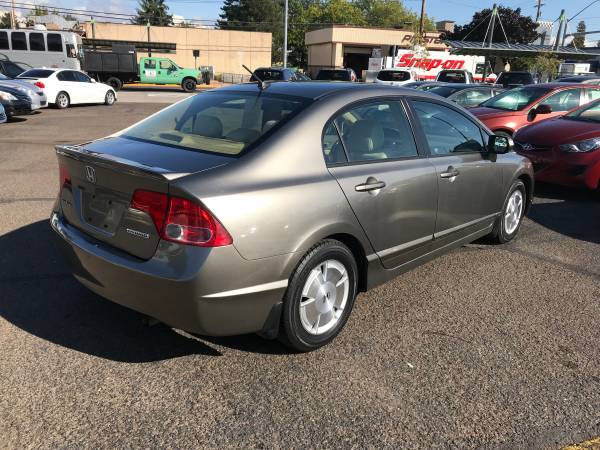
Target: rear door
[[71, 86], [469, 180], [392, 189]]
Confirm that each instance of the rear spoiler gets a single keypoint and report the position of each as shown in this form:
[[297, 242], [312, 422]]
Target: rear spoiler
[[122, 165]]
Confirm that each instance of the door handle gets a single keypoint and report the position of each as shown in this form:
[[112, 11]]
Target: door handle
[[450, 172], [371, 185]]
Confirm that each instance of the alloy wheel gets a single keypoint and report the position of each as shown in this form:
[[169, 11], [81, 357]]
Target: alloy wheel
[[513, 212]]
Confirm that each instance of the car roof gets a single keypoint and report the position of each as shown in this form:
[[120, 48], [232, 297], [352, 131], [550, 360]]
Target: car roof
[[464, 85], [316, 89], [555, 85]]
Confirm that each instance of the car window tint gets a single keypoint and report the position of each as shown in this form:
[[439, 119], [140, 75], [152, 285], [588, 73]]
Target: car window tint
[[65, 75], [81, 77], [376, 131], [37, 73], [446, 130], [36, 42], [563, 100], [333, 149], [594, 94], [18, 40], [54, 42], [3, 40]]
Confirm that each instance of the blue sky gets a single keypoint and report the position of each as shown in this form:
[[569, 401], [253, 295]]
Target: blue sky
[[459, 10]]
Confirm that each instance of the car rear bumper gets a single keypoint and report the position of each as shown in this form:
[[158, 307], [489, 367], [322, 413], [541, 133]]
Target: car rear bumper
[[210, 291]]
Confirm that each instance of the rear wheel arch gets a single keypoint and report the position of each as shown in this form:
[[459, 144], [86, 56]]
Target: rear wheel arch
[[528, 182], [360, 256]]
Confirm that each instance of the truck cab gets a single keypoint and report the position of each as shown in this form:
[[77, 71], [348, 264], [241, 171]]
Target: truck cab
[[158, 70]]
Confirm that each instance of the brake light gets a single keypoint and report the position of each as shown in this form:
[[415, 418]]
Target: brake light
[[39, 84], [181, 220], [64, 177], [153, 203]]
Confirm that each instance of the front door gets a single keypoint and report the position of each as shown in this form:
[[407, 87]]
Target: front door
[[392, 189], [168, 72], [559, 102], [469, 180]]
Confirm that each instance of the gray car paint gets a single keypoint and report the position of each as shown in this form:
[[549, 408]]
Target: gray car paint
[[35, 93], [278, 201]]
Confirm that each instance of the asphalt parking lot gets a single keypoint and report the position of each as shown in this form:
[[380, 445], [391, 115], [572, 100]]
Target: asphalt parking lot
[[487, 347]]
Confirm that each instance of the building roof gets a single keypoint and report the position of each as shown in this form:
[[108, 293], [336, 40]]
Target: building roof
[[504, 49]]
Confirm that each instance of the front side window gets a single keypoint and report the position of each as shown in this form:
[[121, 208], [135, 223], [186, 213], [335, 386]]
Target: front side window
[[446, 130], [81, 77], [375, 131], [54, 42], [225, 123], [516, 99], [563, 100], [18, 40], [3, 40], [165, 64], [71, 51], [36, 42]]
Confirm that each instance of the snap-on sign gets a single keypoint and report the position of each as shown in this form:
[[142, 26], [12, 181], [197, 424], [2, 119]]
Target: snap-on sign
[[409, 60]]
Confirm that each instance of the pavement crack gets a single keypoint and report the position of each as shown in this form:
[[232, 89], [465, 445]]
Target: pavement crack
[[6, 201]]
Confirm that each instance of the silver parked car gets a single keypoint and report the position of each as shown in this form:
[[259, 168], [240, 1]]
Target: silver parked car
[[244, 210], [34, 92], [3, 117]]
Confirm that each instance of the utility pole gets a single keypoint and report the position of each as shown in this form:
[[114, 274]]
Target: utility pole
[[422, 21], [561, 21], [285, 35], [13, 19], [492, 25], [539, 10], [149, 48]]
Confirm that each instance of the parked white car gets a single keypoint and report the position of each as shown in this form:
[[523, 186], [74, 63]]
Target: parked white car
[[65, 87], [395, 77], [2, 114]]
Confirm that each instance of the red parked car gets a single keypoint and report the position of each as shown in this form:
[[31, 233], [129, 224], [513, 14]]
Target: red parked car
[[506, 113], [565, 150]]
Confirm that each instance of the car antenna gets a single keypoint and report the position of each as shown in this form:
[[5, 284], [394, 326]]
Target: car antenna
[[261, 84]]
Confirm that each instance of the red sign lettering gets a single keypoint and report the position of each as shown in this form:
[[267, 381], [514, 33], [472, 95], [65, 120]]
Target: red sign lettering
[[408, 60]]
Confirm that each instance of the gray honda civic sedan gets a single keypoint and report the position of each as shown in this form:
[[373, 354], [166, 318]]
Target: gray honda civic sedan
[[268, 208]]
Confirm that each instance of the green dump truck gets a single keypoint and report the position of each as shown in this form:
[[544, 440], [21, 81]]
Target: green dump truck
[[120, 66]]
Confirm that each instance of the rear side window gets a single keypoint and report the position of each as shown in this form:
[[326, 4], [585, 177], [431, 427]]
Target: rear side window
[[18, 40], [3, 40], [150, 64], [225, 123], [446, 130], [36, 42], [54, 42], [66, 75], [372, 131], [393, 75], [37, 73]]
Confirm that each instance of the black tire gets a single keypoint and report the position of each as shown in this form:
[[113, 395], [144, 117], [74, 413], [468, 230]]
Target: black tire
[[499, 234], [63, 100], [110, 98], [293, 333], [115, 83], [188, 85]]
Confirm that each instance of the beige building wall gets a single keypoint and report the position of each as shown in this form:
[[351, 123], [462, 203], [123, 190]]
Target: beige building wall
[[225, 50]]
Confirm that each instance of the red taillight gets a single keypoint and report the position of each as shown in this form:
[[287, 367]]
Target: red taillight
[[39, 84], [180, 220], [64, 176], [153, 203]]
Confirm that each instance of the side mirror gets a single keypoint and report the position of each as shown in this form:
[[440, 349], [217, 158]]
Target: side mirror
[[92, 80], [500, 144], [543, 109]]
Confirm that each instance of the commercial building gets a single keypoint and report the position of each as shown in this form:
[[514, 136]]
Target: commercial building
[[346, 46], [224, 50]]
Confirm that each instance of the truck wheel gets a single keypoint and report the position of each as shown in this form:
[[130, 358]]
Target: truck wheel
[[188, 85], [115, 83]]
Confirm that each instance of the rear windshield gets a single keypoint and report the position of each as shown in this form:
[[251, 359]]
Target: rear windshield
[[444, 91], [452, 77], [225, 123], [516, 99], [36, 73], [333, 75], [393, 75], [267, 75], [514, 78]]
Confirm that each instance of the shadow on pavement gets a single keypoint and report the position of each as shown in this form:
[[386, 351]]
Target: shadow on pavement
[[576, 214], [39, 295]]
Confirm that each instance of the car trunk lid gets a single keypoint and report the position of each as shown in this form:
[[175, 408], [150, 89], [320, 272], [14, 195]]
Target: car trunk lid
[[104, 175]]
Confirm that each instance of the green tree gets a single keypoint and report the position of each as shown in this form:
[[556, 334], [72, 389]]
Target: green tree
[[579, 39], [154, 12], [5, 20], [519, 29]]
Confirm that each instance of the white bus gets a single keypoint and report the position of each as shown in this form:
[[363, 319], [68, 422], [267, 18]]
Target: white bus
[[41, 48]]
